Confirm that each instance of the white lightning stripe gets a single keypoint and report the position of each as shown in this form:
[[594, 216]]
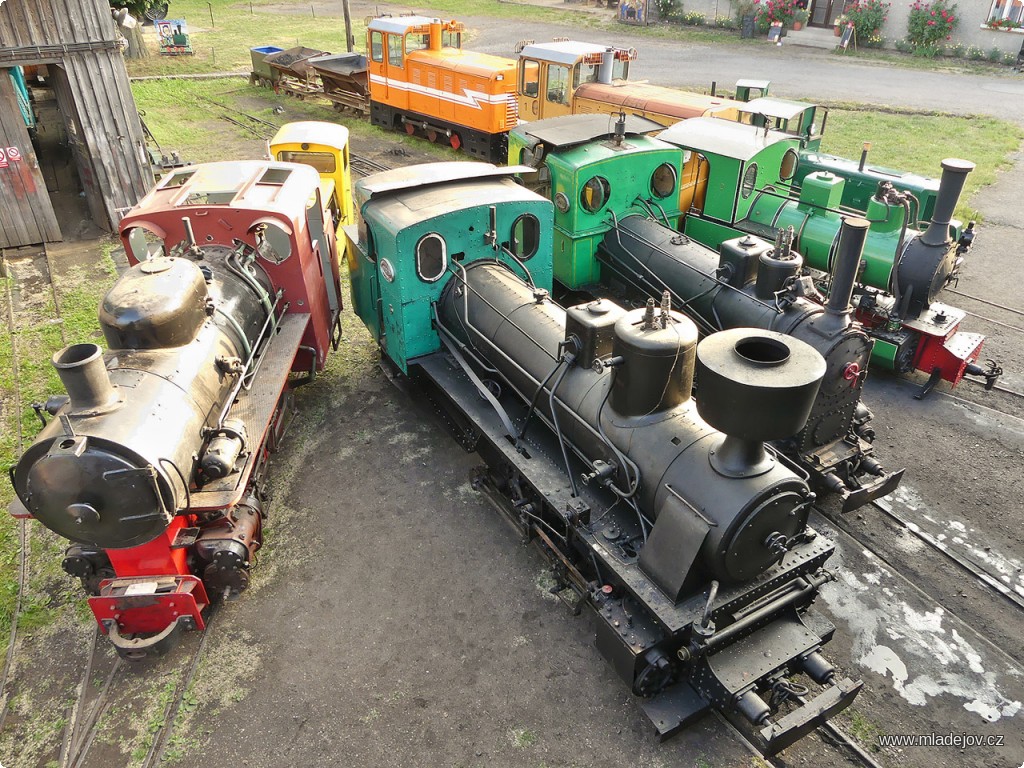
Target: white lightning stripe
[[467, 99]]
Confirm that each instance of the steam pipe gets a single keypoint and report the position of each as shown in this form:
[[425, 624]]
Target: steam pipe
[[954, 176]]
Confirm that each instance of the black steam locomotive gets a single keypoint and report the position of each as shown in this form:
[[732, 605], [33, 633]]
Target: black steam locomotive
[[687, 535], [154, 462]]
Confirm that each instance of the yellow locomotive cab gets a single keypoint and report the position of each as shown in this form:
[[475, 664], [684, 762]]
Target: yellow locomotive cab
[[324, 146]]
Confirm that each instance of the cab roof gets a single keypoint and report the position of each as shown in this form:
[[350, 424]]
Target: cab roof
[[567, 52], [431, 174], [783, 109], [312, 132], [578, 129], [400, 24], [260, 185], [722, 137]]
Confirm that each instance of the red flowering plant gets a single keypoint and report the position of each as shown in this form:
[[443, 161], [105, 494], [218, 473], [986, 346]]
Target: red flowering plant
[[867, 17], [931, 23], [768, 12]]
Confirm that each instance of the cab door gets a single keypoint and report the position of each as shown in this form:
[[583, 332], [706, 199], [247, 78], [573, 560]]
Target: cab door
[[556, 91], [529, 89], [377, 67]]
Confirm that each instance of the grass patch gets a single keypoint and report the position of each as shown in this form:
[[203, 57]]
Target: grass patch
[[896, 142], [865, 731]]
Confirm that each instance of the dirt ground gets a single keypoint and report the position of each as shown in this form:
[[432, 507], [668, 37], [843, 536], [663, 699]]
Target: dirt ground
[[395, 620]]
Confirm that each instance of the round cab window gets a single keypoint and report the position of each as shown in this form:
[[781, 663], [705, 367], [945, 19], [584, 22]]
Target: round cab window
[[789, 163], [525, 236], [749, 179], [562, 202], [595, 194], [663, 180], [431, 257]]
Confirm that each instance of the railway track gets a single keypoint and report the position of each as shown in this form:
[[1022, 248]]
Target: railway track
[[18, 265], [265, 130]]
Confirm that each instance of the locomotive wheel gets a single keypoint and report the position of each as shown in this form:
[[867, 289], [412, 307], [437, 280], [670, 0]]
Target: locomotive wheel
[[410, 128], [455, 141], [432, 135]]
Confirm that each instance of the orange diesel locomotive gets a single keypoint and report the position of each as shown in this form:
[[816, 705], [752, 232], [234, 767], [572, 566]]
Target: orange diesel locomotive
[[422, 81]]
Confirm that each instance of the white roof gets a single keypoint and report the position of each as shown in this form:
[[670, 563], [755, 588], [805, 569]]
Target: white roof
[[722, 137], [772, 107], [312, 132], [568, 52], [400, 24]]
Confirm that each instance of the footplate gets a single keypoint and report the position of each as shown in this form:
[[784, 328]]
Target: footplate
[[883, 487], [148, 605], [794, 726]]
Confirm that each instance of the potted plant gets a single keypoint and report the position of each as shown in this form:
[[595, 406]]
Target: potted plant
[[839, 23], [800, 16]]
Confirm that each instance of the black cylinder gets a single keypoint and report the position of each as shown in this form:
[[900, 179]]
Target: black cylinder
[[852, 237], [954, 176], [657, 369], [84, 375]]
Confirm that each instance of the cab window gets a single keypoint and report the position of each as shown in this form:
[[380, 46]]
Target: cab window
[[324, 162], [377, 46], [416, 42], [529, 84], [451, 39], [395, 50], [558, 84], [585, 73], [620, 70]]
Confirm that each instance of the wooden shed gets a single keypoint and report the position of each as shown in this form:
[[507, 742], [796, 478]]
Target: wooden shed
[[94, 122]]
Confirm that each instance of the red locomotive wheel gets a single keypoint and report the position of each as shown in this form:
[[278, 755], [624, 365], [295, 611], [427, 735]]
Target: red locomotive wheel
[[410, 128], [455, 141], [432, 135]]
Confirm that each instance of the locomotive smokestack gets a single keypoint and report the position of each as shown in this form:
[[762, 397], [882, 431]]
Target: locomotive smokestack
[[84, 375], [852, 236], [754, 386], [954, 175]]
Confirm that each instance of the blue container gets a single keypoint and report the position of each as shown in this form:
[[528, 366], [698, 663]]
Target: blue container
[[260, 69]]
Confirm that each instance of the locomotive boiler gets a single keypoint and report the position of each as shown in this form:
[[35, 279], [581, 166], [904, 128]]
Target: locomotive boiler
[[687, 534], [903, 268], [751, 283], [616, 213], [153, 465]]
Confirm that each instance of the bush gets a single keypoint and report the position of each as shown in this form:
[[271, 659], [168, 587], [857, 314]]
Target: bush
[[931, 23], [867, 17], [974, 53], [693, 19], [771, 11], [1010, 59], [668, 9], [995, 54], [873, 41], [725, 22], [957, 50], [927, 51], [904, 46]]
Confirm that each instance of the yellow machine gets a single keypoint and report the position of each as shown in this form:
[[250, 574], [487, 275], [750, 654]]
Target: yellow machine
[[324, 146]]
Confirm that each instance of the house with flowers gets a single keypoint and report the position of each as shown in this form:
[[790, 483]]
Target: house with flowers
[[989, 29]]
